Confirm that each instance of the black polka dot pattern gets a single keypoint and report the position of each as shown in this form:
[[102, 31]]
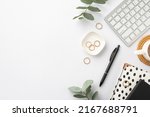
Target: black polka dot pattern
[[130, 76]]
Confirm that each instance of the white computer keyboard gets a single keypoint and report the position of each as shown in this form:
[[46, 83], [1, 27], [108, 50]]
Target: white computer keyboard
[[130, 20]]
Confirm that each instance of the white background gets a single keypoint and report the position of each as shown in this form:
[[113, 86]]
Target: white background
[[41, 53]]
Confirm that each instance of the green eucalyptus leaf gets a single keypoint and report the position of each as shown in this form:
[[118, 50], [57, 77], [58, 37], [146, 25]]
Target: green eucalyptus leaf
[[100, 1], [88, 90], [81, 7], [86, 85], [88, 16], [79, 96], [87, 1], [94, 9], [80, 18], [75, 89], [77, 16], [94, 95]]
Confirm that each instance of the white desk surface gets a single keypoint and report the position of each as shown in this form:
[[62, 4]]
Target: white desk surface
[[41, 53]]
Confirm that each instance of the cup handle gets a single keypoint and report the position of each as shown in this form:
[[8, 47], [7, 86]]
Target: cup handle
[[139, 52]]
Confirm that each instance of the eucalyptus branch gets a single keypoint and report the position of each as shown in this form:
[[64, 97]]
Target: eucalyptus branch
[[85, 13], [84, 92]]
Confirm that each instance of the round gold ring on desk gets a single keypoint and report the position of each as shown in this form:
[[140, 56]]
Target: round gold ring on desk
[[87, 60], [92, 48], [99, 26], [88, 44], [97, 43], [126, 83]]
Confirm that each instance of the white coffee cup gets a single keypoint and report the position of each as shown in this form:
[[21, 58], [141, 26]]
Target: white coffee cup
[[144, 51]]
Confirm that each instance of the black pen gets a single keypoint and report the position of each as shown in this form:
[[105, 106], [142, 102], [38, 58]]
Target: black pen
[[111, 60]]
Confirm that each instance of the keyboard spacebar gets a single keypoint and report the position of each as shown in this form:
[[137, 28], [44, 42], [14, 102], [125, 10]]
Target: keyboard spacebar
[[127, 33]]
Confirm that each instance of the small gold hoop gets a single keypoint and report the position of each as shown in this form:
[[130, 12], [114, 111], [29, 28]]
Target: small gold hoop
[[92, 48], [88, 44], [99, 26], [97, 43], [87, 60], [126, 83]]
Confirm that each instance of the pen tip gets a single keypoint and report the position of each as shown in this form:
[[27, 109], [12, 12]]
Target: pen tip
[[100, 84]]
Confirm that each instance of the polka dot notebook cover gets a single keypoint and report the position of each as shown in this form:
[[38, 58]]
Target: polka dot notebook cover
[[127, 81]]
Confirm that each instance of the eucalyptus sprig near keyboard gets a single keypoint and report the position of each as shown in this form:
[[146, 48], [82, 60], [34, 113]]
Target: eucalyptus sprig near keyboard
[[89, 7]]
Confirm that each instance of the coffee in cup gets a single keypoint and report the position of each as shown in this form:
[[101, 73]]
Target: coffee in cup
[[149, 50]]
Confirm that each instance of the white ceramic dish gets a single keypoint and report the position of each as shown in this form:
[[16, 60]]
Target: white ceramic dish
[[90, 38]]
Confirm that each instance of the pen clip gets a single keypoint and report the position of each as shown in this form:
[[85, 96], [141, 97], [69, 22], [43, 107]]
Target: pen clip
[[112, 54]]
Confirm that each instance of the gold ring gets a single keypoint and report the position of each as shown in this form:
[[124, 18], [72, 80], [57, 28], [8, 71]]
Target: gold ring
[[87, 60], [92, 48], [99, 26], [126, 83], [88, 44], [97, 43]]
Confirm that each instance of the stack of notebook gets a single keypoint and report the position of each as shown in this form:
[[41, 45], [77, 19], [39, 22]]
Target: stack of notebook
[[133, 84]]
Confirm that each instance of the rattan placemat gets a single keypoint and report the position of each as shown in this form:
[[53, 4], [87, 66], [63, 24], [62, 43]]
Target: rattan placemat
[[140, 45]]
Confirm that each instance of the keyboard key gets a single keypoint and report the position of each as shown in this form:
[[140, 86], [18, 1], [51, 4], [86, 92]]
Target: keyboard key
[[147, 22], [123, 6], [132, 12], [127, 33], [132, 36], [146, 8], [119, 10], [128, 16], [128, 24], [137, 16], [142, 12], [109, 19], [118, 26], [117, 18], [141, 4], [137, 8], [122, 14], [133, 20], [143, 18], [135, 2], [146, 1], [142, 27], [134, 26], [113, 22], [131, 6], [128, 40], [126, 10], [139, 22], [123, 21], [122, 29], [114, 15], [147, 14], [137, 32], [129, 1]]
